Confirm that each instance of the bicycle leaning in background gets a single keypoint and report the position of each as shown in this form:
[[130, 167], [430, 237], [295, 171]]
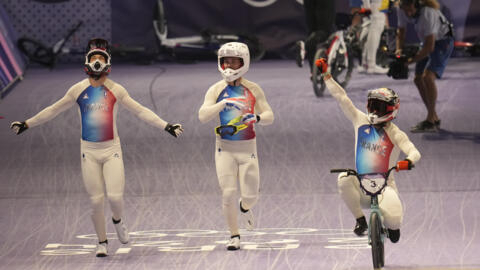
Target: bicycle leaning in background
[[346, 44], [39, 53]]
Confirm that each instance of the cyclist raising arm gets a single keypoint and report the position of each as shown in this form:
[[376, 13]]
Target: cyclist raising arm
[[378, 143]]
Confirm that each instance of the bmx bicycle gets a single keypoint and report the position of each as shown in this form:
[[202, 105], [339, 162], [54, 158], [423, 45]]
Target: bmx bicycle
[[373, 184], [343, 46], [39, 53], [207, 42]]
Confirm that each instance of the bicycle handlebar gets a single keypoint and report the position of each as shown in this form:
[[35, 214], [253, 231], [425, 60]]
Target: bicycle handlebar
[[342, 170], [354, 172]]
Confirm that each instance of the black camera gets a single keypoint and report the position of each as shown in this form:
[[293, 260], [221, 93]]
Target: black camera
[[398, 68]]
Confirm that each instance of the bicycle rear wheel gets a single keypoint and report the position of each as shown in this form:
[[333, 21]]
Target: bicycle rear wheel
[[317, 80], [378, 254]]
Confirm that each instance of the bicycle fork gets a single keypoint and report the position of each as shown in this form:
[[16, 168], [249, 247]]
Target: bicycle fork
[[374, 208]]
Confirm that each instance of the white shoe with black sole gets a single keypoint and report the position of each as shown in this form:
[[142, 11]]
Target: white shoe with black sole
[[234, 243], [101, 250]]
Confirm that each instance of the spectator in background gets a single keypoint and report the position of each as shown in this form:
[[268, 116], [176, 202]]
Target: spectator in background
[[436, 34], [378, 18]]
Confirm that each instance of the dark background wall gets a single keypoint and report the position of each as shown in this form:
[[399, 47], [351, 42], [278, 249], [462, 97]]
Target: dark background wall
[[49, 23], [277, 23]]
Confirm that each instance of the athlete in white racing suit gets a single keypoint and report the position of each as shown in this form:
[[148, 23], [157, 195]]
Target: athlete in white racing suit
[[378, 143], [240, 104], [98, 98]]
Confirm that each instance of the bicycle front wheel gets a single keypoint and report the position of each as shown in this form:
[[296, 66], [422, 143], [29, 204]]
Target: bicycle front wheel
[[378, 254], [317, 80]]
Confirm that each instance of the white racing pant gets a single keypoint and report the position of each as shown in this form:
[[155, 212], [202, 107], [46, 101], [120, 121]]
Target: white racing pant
[[237, 161], [377, 24], [355, 199], [102, 168]]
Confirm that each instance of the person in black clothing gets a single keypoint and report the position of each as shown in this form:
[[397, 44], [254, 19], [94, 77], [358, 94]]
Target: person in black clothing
[[320, 18]]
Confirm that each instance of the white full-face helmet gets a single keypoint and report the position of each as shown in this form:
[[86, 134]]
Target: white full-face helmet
[[382, 106], [97, 68], [233, 49]]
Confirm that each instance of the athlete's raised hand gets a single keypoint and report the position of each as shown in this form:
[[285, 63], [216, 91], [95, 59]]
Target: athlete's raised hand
[[18, 127], [175, 130], [322, 64]]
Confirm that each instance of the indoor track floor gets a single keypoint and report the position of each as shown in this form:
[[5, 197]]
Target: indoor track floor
[[172, 197]]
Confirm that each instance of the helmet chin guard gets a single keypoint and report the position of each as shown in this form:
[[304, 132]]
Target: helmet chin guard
[[97, 68], [233, 49]]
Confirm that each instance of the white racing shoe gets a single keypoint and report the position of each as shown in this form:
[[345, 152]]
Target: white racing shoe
[[101, 249], [122, 231], [234, 243], [247, 217]]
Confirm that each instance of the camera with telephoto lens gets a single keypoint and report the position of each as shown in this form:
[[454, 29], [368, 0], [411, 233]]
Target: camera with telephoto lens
[[398, 68]]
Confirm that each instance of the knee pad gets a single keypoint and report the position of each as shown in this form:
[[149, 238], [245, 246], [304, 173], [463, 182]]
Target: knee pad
[[249, 202], [97, 199], [393, 220], [229, 196], [345, 182], [115, 197], [97, 202]]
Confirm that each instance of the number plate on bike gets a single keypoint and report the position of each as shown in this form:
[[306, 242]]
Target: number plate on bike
[[373, 184]]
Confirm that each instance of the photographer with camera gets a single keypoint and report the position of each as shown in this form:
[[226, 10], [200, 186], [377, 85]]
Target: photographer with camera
[[436, 34]]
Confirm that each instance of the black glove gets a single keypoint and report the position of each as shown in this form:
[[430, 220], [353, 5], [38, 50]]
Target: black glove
[[18, 127], [175, 129]]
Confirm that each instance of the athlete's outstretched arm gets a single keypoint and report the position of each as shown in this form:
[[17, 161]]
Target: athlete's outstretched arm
[[346, 104], [350, 111], [46, 114], [401, 139], [142, 112], [263, 110], [51, 111], [148, 116]]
